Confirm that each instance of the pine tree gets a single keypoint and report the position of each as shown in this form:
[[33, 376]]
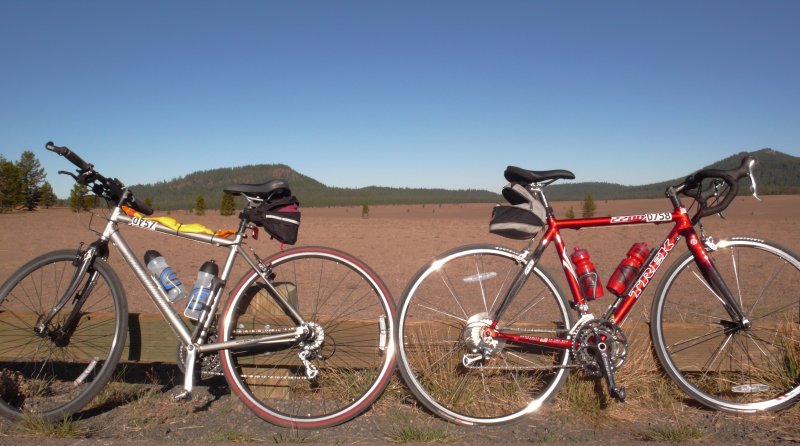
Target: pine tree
[[10, 186], [32, 176], [78, 201], [200, 205], [228, 205], [570, 213], [588, 206], [47, 197]]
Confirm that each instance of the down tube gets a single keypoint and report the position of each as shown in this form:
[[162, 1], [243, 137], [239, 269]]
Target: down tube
[[656, 259]]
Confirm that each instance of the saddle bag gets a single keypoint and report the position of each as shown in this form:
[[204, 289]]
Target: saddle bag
[[523, 219], [279, 217]]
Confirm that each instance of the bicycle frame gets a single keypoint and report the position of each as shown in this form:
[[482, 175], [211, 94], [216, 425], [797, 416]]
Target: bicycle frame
[[192, 340], [620, 308]]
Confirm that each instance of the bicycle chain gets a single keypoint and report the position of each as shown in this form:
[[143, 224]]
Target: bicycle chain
[[529, 367], [467, 363], [264, 332]]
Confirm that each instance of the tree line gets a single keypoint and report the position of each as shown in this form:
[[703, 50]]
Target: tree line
[[23, 184]]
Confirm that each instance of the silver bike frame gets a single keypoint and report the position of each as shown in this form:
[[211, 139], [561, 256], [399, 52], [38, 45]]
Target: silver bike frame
[[194, 342]]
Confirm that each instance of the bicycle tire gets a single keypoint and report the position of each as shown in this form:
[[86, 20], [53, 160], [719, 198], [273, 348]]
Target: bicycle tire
[[721, 366], [349, 307], [440, 318], [48, 377]]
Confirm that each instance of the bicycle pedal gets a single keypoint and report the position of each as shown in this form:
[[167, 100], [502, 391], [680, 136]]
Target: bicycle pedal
[[183, 395], [618, 393]]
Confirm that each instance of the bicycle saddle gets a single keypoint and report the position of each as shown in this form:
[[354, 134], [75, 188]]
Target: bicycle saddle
[[262, 190], [519, 175]]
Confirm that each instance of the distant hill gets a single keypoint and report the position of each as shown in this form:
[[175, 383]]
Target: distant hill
[[777, 173], [182, 193]]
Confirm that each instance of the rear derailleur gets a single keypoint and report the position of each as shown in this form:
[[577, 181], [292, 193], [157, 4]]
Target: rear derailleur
[[600, 347]]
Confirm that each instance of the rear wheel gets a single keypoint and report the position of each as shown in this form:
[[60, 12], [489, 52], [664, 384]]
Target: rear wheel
[[348, 313], [450, 360], [718, 363], [55, 374]]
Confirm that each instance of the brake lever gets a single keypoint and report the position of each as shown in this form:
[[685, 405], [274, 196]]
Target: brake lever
[[64, 172], [752, 177], [717, 187]]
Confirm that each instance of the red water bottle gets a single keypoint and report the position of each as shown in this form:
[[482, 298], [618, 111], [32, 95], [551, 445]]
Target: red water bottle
[[627, 269], [587, 276]]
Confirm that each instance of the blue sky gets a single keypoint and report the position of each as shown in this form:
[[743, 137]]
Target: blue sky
[[430, 93]]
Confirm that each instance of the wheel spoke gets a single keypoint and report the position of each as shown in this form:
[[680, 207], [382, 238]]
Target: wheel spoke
[[449, 359], [753, 367]]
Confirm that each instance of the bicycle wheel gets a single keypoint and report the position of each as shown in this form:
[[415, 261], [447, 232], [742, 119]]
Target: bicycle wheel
[[721, 365], [439, 328], [54, 375], [348, 311]]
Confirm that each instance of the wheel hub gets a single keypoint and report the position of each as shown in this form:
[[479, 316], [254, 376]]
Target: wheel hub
[[478, 337]]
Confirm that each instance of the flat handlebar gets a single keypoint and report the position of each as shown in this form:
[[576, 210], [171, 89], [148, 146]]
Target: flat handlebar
[[70, 155], [111, 188]]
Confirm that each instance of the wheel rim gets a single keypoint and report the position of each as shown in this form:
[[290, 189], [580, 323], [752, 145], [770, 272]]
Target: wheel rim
[[724, 366], [433, 340], [45, 375], [339, 300]]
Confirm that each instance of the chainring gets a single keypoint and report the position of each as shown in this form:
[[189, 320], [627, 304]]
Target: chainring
[[210, 365], [599, 335]]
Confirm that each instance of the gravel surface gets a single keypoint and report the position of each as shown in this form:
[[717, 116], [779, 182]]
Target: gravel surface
[[214, 416]]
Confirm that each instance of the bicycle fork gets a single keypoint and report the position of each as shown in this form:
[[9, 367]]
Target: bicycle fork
[[716, 283], [84, 261]]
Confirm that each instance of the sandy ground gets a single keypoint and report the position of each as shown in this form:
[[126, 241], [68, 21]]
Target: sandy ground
[[395, 241]]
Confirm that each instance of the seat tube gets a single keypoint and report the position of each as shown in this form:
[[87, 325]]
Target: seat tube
[[522, 277]]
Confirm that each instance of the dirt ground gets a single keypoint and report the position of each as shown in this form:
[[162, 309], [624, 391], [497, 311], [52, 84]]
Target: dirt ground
[[395, 241]]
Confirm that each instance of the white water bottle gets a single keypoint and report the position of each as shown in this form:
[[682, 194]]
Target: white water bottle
[[201, 290], [157, 265]]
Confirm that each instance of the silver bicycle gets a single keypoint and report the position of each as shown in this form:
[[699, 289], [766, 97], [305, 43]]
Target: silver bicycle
[[304, 338]]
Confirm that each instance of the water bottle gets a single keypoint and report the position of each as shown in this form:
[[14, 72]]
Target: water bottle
[[627, 269], [157, 265], [587, 276], [201, 290]]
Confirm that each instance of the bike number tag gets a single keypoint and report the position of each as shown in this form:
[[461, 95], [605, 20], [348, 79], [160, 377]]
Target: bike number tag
[[143, 224]]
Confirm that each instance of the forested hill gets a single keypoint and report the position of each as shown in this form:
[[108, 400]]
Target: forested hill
[[777, 173], [182, 193]]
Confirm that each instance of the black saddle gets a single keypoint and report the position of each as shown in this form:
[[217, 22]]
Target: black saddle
[[519, 175], [264, 191]]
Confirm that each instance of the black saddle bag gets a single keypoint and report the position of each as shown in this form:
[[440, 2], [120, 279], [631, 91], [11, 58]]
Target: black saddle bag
[[279, 217]]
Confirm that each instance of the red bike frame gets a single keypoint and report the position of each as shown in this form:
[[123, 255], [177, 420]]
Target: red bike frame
[[618, 311]]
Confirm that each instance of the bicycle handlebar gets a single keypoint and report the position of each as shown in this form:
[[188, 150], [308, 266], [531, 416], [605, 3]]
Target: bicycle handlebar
[[109, 188], [70, 155], [692, 186]]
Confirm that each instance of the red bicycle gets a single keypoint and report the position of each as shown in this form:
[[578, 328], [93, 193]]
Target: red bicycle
[[486, 336]]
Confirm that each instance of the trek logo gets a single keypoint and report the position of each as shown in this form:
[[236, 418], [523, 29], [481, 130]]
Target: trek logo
[[651, 269], [143, 224]]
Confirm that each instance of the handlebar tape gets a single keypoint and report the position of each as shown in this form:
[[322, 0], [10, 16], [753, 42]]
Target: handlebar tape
[[730, 177]]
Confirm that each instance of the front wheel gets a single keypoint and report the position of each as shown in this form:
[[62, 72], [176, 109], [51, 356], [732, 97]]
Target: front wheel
[[718, 363], [446, 352], [349, 314], [55, 373]]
